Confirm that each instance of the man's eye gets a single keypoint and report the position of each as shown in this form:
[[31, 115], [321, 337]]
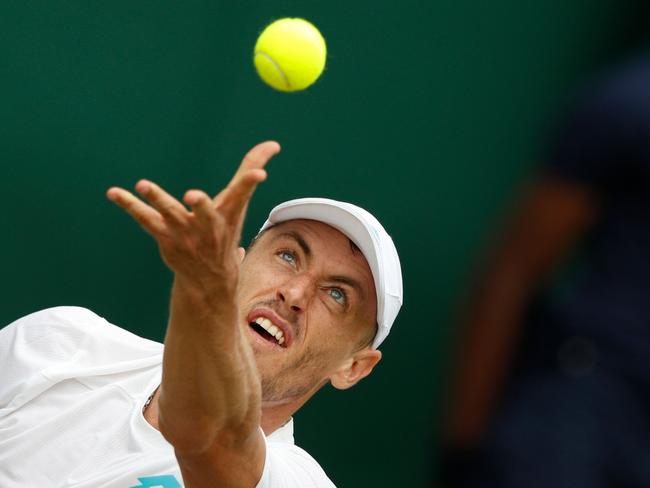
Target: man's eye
[[338, 295], [288, 256]]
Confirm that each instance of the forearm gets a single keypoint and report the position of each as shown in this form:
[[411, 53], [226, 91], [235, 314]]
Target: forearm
[[491, 331], [210, 387]]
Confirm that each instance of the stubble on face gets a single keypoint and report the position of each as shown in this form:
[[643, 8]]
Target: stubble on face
[[308, 367]]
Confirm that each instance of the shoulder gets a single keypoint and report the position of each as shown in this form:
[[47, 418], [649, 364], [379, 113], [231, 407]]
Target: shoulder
[[61, 331], [64, 315], [61, 343], [71, 322]]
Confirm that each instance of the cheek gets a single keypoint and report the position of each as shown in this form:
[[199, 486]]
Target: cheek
[[250, 268], [332, 338], [256, 278], [353, 333], [248, 282]]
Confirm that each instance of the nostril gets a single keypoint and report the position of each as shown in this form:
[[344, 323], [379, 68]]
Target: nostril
[[295, 308], [281, 296]]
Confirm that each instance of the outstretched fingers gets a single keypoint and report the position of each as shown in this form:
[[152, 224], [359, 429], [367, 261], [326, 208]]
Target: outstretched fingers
[[171, 209], [210, 227], [232, 201], [202, 207], [149, 218], [259, 155]]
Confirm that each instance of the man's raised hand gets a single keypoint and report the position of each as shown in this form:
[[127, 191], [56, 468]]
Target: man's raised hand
[[199, 243]]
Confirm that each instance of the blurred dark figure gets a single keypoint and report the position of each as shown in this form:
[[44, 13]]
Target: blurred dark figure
[[554, 383]]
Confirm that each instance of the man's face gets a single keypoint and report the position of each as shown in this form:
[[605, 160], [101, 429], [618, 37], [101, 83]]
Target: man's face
[[306, 279]]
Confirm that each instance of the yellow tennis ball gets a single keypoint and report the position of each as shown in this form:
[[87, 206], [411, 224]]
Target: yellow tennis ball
[[290, 54]]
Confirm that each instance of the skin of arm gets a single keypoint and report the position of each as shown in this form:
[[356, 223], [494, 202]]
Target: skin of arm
[[210, 395], [549, 220]]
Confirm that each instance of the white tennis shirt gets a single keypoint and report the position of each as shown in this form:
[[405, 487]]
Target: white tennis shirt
[[72, 389]]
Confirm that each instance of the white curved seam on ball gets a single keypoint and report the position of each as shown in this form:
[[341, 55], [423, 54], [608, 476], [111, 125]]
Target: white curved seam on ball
[[277, 67]]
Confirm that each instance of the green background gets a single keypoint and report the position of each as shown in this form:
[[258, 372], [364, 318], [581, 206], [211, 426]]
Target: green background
[[428, 114]]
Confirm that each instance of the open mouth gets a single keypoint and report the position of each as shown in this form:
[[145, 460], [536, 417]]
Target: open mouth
[[268, 330]]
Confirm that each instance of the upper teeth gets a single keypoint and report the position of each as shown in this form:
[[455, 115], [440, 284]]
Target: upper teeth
[[272, 329]]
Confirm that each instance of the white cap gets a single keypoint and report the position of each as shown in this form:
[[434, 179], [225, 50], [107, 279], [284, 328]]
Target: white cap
[[370, 237]]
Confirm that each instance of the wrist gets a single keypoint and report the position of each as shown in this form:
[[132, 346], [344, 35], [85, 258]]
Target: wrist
[[204, 293], [194, 303]]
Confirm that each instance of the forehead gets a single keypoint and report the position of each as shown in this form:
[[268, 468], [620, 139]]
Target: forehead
[[316, 234]]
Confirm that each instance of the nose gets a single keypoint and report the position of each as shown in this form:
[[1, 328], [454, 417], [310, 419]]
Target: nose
[[296, 292]]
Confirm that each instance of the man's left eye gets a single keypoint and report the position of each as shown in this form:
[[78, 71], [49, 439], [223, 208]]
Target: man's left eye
[[338, 295], [287, 256]]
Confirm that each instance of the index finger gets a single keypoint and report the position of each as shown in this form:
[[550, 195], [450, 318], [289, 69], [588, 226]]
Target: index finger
[[233, 199]]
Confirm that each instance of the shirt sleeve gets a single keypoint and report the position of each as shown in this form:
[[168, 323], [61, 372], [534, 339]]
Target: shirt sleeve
[[289, 466]]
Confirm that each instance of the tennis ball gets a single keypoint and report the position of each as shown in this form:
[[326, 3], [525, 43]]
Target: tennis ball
[[290, 54]]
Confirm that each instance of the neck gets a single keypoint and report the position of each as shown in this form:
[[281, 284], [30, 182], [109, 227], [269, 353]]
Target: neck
[[274, 415]]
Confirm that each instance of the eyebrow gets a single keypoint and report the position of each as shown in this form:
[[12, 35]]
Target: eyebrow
[[352, 283], [299, 240]]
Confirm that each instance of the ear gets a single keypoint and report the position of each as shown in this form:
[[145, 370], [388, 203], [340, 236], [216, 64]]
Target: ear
[[355, 369], [242, 253]]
